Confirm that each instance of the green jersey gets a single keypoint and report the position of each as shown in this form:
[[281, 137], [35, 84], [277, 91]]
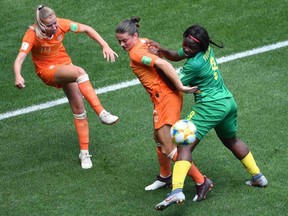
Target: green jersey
[[202, 71]]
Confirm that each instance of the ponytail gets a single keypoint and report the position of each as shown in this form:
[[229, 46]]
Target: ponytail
[[42, 12]]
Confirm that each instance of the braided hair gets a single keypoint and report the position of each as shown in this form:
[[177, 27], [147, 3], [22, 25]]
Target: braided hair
[[200, 37]]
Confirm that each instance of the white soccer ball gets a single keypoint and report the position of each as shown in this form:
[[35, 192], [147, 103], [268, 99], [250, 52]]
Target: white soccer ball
[[183, 132]]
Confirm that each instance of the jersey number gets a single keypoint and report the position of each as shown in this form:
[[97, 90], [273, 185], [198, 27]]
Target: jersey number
[[46, 49], [214, 67]]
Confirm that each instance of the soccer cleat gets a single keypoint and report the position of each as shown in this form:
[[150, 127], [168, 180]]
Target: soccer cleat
[[258, 180], [203, 189], [85, 159], [107, 118], [160, 183], [175, 196]]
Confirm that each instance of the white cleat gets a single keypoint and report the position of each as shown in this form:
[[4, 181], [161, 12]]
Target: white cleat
[[108, 118], [160, 183], [176, 196], [85, 159]]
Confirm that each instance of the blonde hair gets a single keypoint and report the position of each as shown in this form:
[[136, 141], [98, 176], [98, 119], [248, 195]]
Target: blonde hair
[[42, 12]]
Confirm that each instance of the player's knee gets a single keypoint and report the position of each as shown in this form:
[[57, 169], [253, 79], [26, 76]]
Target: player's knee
[[80, 116], [82, 78], [167, 149]]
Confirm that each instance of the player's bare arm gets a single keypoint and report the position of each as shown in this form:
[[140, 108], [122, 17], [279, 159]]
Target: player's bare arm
[[19, 80], [108, 53], [170, 72], [156, 49]]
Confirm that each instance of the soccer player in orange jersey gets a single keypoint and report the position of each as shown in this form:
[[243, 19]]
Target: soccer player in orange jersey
[[160, 80], [54, 66]]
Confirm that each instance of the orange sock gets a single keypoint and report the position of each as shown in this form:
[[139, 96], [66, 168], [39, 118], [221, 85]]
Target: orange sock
[[82, 130], [89, 94], [193, 172], [165, 163]]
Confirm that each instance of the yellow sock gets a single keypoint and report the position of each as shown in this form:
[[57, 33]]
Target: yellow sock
[[179, 173], [193, 172], [250, 164]]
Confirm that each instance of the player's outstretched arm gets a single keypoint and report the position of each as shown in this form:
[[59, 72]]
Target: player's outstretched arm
[[108, 53], [19, 80], [171, 74], [156, 49]]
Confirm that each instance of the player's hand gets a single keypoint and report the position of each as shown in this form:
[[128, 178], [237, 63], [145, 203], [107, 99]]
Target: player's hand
[[189, 89], [153, 44], [19, 82], [153, 47], [109, 54]]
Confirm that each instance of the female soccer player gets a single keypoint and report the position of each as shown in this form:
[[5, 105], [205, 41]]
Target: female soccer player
[[214, 107], [160, 80], [54, 66]]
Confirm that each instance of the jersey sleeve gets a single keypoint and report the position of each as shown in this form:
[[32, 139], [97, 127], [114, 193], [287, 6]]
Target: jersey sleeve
[[143, 56], [186, 74], [28, 41], [69, 25], [181, 52]]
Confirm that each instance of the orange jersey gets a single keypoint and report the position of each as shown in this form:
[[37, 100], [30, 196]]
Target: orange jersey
[[142, 63], [46, 52]]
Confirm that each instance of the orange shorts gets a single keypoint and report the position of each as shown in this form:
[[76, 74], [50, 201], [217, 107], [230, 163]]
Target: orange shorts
[[47, 75], [168, 111]]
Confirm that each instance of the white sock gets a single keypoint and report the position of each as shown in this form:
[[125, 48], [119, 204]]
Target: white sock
[[84, 152]]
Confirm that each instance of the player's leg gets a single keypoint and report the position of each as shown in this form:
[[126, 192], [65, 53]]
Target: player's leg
[[80, 121], [226, 131], [167, 113], [164, 179], [242, 153], [71, 73], [180, 170], [170, 150], [167, 151]]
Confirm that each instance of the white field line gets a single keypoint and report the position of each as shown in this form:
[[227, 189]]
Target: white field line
[[133, 82]]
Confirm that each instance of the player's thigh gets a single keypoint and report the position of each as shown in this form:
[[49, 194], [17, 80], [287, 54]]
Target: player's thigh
[[68, 73], [227, 128], [206, 116], [164, 138]]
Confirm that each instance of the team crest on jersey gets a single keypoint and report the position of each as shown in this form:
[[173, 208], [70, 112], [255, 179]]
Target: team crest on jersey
[[60, 37]]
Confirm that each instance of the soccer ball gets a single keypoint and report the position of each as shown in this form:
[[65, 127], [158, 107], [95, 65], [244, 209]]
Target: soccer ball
[[183, 132]]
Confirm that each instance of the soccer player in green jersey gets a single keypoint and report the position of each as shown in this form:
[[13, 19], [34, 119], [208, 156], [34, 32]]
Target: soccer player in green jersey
[[214, 107]]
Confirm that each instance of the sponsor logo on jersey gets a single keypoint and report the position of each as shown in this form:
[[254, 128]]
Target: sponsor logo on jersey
[[146, 60], [25, 46], [73, 27]]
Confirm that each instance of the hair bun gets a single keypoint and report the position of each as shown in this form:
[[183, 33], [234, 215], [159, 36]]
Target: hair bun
[[135, 20]]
